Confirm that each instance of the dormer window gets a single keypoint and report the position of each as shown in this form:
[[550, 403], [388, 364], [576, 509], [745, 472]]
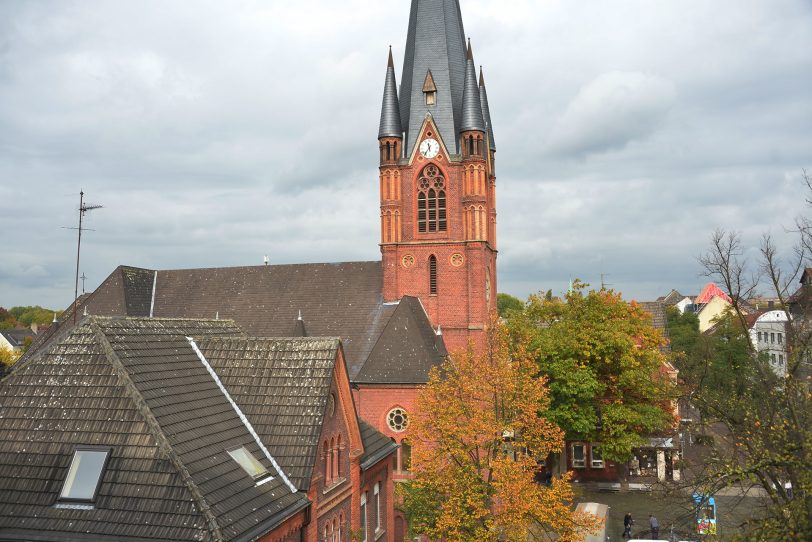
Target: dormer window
[[85, 474], [429, 89], [250, 464]]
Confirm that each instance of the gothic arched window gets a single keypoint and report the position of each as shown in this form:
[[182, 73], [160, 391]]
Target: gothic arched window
[[431, 204], [432, 274]]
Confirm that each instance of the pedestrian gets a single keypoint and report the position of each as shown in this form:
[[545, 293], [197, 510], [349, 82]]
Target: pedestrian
[[628, 521], [655, 527]]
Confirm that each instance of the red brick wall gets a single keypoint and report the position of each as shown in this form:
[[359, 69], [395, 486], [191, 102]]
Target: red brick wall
[[460, 306], [332, 499]]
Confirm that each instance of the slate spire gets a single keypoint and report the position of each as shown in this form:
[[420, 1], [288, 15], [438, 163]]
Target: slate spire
[[435, 42], [486, 112], [471, 104], [390, 109]]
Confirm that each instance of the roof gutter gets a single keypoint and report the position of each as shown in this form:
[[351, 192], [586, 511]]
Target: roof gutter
[[375, 458], [274, 521]]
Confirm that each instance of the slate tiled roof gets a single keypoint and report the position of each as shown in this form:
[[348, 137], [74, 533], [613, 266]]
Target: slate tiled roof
[[282, 386], [407, 349], [435, 41], [137, 386], [658, 317], [376, 445], [335, 300]]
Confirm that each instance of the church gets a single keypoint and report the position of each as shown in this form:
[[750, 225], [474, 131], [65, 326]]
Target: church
[[434, 288]]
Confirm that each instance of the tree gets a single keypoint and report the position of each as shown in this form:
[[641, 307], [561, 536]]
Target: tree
[[683, 330], [604, 365], [761, 421], [7, 359], [506, 303], [479, 428]]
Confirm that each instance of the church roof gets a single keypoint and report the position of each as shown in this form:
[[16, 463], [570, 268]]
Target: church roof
[[486, 112], [390, 125], [136, 387], [435, 41], [407, 348], [342, 300], [472, 118]]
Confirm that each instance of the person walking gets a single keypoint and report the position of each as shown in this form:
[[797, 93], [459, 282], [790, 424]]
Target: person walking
[[655, 527], [628, 521]]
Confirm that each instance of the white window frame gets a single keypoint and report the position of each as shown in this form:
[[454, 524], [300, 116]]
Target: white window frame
[[582, 464], [377, 492], [595, 463]]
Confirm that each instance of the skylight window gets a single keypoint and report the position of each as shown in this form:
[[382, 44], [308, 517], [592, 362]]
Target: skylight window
[[249, 463], [85, 474]]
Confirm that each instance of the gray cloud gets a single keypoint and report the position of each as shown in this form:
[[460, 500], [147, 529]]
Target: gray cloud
[[217, 132]]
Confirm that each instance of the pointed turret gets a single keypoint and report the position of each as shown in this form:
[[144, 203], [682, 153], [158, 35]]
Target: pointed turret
[[299, 327], [486, 112], [471, 106], [390, 125], [435, 43]]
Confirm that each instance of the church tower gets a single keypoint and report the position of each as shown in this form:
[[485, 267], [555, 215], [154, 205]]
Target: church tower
[[437, 177]]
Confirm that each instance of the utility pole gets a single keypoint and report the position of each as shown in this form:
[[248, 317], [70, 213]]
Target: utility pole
[[83, 208]]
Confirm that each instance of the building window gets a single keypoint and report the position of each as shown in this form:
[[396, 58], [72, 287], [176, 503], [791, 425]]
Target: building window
[[337, 458], [432, 274], [597, 457], [398, 420], [431, 202], [772, 356], [377, 492], [772, 338], [84, 474], [249, 463], [405, 455], [780, 338], [364, 517], [578, 456], [328, 462], [430, 89], [759, 336]]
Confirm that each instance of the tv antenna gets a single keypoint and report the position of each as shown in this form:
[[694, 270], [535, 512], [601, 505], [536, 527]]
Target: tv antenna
[[83, 208]]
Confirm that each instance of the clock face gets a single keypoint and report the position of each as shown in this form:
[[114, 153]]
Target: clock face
[[429, 148]]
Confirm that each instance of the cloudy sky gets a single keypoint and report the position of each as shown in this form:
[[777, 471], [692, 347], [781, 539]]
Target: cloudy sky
[[217, 132]]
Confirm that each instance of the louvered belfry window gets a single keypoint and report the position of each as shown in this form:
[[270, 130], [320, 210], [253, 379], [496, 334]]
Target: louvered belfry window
[[432, 274], [431, 204]]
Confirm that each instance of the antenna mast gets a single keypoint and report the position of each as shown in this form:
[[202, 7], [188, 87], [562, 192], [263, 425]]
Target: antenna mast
[[83, 208]]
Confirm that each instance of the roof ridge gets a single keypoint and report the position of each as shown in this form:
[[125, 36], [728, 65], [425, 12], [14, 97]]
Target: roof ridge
[[240, 414], [155, 428], [262, 266]]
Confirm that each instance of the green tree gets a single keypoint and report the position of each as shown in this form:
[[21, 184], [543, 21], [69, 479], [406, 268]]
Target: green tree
[[760, 420], [506, 303], [683, 330], [604, 365]]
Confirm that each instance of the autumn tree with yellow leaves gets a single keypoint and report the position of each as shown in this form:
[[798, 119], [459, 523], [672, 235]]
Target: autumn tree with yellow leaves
[[479, 429]]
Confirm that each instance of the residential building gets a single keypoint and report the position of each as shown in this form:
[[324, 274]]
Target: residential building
[[768, 334], [179, 429]]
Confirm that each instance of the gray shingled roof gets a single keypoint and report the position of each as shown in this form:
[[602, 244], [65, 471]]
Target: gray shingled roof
[[390, 108], [137, 386], [486, 111], [472, 118], [282, 386], [658, 318], [435, 41], [407, 349], [376, 445], [335, 299]]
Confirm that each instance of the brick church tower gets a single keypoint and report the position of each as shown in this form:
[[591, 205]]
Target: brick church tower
[[437, 177]]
